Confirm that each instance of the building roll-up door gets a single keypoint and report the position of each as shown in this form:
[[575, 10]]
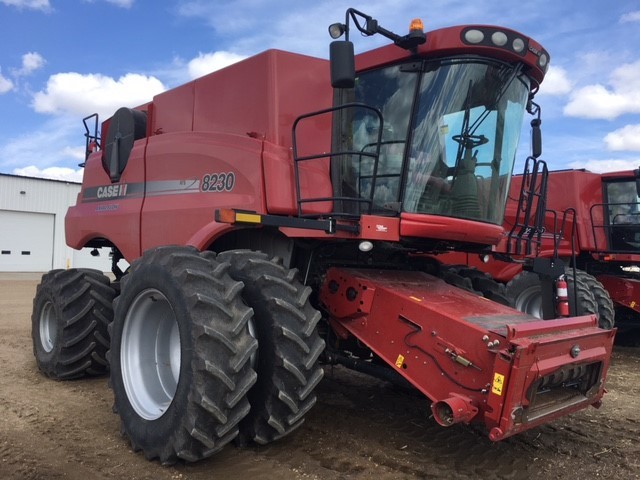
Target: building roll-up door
[[26, 241]]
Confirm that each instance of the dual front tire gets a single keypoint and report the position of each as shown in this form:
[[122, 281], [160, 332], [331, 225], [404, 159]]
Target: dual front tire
[[204, 348], [200, 358]]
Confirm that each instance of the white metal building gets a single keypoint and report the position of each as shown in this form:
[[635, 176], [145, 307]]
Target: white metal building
[[32, 237]]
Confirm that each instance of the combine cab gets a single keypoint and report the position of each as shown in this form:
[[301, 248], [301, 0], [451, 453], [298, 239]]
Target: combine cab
[[274, 223]]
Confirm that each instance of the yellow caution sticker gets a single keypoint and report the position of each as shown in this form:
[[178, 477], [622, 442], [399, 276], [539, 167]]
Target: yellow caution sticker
[[633, 304], [400, 361], [498, 383]]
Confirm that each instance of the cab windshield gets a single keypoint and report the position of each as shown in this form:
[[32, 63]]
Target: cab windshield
[[450, 130]]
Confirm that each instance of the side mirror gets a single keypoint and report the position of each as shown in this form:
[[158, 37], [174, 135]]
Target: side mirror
[[343, 64], [536, 138]]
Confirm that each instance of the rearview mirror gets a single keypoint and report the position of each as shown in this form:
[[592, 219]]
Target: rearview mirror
[[343, 64], [536, 138]]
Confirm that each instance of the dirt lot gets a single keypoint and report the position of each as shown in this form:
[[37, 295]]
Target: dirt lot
[[360, 429]]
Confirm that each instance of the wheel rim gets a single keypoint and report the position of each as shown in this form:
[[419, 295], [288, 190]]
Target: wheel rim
[[150, 354], [47, 328], [530, 301]]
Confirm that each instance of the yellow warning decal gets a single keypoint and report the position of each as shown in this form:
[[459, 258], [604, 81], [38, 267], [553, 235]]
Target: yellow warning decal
[[498, 383], [633, 304], [400, 361]]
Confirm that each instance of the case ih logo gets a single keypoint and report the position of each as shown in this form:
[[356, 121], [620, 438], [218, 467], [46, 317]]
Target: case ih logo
[[112, 191]]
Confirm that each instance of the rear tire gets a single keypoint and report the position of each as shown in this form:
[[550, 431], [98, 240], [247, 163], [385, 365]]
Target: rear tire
[[288, 345], [526, 294], [180, 357], [71, 313], [606, 311], [525, 291]]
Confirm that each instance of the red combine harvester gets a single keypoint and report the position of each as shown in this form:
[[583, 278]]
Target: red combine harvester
[[600, 236], [269, 231]]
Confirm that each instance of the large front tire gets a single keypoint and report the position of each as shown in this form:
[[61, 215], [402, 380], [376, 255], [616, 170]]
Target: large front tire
[[289, 345], [71, 313], [180, 356]]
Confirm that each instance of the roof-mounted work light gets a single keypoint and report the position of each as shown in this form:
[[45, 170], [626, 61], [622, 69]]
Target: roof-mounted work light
[[336, 30], [341, 53]]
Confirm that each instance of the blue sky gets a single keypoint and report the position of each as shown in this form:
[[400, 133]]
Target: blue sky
[[62, 60]]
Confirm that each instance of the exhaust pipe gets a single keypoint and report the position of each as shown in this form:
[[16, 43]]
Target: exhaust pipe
[[455, 409]]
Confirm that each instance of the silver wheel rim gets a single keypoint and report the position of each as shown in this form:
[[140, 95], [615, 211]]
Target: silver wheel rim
[[150, 354], [530, 301], [47, 327]]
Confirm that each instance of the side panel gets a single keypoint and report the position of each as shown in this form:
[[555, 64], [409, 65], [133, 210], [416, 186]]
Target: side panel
[[106, 210], [447, 228], [279, 178], [576, 189], [189, 175], [173, 110], [623, 291], [263, 95]]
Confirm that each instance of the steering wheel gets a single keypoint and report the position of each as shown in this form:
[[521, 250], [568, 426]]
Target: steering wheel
[[470, 141]]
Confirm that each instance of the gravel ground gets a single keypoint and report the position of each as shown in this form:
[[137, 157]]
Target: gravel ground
[[361, 428]]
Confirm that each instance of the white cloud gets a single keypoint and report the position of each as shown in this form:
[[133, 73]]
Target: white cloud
[[52, 173], [73, 152], [608, 102], [6, 85], [630, 17], [32, 4], [31, 62], [209, 62], [626, 138], [79, 94], [608, 165], [556, 82]]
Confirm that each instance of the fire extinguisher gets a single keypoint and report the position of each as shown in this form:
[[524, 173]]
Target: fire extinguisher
[[562, 297]]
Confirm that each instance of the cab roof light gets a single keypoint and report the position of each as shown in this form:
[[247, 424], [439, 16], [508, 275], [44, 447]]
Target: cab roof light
[[495, 38], [518, 45], [474, 36], [499, 39], [543, 62], [416, 25]]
